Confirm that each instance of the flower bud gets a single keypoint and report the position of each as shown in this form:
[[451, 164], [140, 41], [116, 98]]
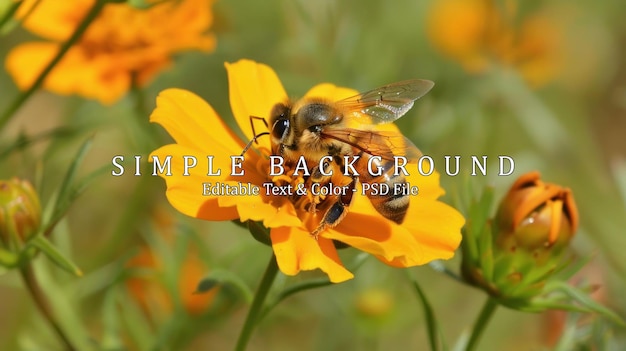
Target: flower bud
[[20, 212], [537, 217], [513, 256]]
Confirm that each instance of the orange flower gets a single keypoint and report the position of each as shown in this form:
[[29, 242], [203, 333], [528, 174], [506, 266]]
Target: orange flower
[[430, 231], [479, 33], [121, 45]]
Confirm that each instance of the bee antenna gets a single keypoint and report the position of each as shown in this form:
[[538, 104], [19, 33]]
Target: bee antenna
[[253, 140]]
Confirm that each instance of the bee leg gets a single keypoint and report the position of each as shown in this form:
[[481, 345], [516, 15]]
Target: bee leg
[[336, 213], [255, 135]]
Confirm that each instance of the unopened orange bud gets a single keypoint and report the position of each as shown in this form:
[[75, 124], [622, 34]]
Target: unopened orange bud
[[20, 212], [535, 216], [513, 256]]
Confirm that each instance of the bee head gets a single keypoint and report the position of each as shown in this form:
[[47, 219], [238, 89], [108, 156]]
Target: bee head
[[279, 121]]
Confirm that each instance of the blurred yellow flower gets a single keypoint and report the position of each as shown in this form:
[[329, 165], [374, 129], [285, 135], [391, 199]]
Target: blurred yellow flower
[[121, 46], [431, 229], [374, 303], [480, 33]]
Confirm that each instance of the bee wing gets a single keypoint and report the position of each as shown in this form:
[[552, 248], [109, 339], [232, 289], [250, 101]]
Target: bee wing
[[385, 144], [388, 103]]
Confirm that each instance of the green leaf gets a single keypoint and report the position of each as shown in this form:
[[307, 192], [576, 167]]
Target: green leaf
[[58, 212], [111, 336], [587, 304], [439, 266], [64, 192], [222, 276], [54, 255], [135, 323], [592, 305], [434, 332], [311, 284], [23, 141], [205, 285], [260, 233]]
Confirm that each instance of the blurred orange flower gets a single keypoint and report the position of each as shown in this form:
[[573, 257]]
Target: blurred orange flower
[[121, 46], [149, 289], [479, 33], [431, 229]]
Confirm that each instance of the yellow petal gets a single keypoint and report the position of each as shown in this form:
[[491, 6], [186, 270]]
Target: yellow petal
[[254, 89], [436, 227], [286, 216], [249, 206], [185, 192], [273, 212], [431, 230], [193, 122], [297, 250], [365, 229]]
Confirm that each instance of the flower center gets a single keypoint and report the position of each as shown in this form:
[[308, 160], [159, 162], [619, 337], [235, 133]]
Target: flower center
[[311, 193]]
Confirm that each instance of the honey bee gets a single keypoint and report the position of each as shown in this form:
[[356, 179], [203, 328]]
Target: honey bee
[[317, 129]]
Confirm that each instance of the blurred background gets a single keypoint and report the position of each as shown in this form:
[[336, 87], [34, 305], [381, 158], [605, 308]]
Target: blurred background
[[541, 81]]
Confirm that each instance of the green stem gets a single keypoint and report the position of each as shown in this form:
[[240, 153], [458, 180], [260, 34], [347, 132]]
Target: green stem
[[21, 99], [8, 15], [313, 284], [146, 132], [140, 98], [481, 323], [39, 297], [257, 303]]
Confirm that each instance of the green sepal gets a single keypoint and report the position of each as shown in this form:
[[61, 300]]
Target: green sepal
[[478, 261], [8, 259]]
